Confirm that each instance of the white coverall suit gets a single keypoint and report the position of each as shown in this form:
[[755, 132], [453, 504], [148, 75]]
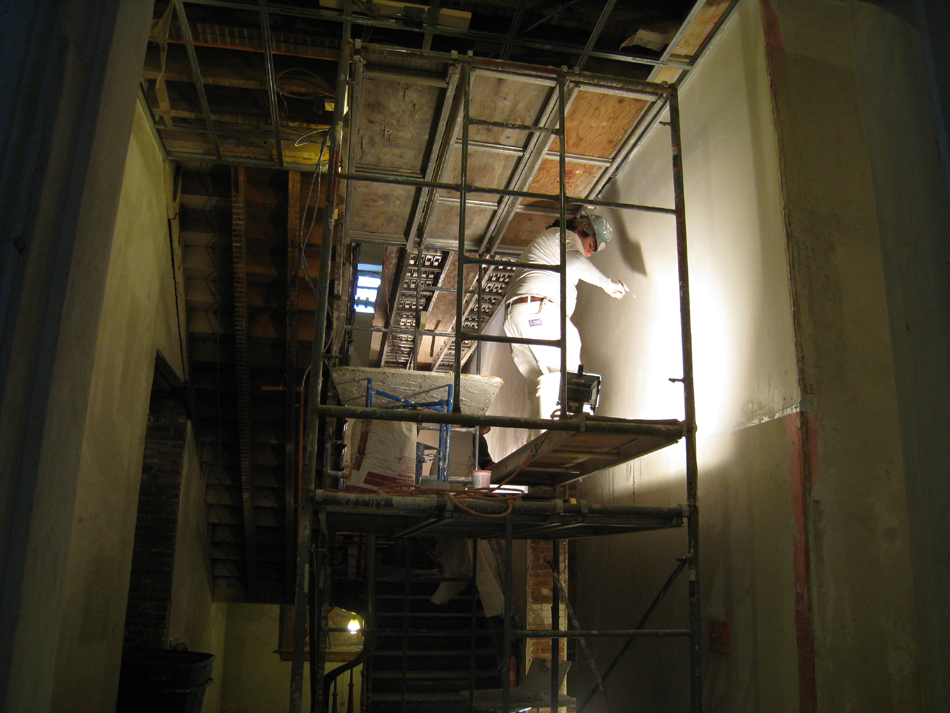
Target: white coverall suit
[[532, 311]]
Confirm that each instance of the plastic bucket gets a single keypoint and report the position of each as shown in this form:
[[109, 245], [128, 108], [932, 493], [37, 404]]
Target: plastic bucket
[[481, 478], [163, 681]]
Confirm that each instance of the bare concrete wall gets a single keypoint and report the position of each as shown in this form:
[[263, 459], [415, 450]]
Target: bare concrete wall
[[861, 581], [911, 190]]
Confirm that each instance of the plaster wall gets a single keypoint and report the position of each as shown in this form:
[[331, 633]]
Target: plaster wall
[[103, 523], [806, 537]]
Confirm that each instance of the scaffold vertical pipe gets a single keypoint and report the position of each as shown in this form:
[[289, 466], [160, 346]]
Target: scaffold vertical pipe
[[555, 625], [356, 99], [419, 326], [506, 638], [562, 215], [473, 623], [318, 621], [692, 489], [463, 197], [305, 525]]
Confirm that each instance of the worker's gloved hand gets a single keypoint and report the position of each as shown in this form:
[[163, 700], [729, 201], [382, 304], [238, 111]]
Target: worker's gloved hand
[[616, 289]]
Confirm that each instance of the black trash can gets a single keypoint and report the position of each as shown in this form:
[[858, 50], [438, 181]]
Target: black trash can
[[163, 681]]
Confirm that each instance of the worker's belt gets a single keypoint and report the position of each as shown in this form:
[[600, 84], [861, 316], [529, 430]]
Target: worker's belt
[[525, 298]]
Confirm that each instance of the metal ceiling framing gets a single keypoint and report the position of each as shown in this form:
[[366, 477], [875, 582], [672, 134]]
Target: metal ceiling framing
[[595, 34], [271, 82], [432, 30], [270, 138], [196, 73]]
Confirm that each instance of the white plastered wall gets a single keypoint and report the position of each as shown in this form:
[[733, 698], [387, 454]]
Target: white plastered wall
[[746, 383]]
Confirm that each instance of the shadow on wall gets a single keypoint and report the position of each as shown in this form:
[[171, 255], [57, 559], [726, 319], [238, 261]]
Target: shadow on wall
[[631, 253]]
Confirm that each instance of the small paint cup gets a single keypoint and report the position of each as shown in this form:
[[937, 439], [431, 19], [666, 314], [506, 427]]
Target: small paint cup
[[481, 478]]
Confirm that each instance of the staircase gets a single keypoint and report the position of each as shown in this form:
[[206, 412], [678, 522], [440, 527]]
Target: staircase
[[426, 653]]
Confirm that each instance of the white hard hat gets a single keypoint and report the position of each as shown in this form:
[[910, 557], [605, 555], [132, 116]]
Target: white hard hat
[[598, 226], [602, 230]]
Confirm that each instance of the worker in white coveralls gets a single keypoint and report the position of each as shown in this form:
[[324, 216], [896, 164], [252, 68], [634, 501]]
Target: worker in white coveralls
[[532, 303]]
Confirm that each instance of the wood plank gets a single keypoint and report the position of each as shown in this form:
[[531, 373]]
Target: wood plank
[[382, 208], [557, 457], [597, 123], [694, 37], [509, 99], [485, 168], [443, 227]]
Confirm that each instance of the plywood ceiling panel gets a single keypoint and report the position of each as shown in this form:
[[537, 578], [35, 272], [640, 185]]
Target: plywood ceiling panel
[[485, 168], [579, 177], [598, 122], [443, 228], [509, 100], [381, 208], [395, 121]]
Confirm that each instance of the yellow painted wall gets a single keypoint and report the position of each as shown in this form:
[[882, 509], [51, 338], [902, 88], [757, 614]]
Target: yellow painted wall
[[255, 678]]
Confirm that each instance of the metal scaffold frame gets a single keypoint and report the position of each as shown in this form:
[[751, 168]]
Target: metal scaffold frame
[[318, 505]]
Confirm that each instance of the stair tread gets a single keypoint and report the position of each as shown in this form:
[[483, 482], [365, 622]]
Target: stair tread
[[452, 696], [432, 652], [433, 614], [464, 595], [399, 631], [432, 675]]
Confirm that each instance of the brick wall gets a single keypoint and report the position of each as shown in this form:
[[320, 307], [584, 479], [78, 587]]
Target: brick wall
[[541, 588], [156, 526]]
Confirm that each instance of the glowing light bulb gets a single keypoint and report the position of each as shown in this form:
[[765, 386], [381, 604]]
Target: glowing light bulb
[[354, 626]]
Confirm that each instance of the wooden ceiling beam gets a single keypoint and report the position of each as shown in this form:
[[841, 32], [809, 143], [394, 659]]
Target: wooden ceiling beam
[[249, 40]]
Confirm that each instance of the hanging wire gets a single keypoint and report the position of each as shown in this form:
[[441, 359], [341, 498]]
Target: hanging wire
[[305, 237], [298, 83]]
